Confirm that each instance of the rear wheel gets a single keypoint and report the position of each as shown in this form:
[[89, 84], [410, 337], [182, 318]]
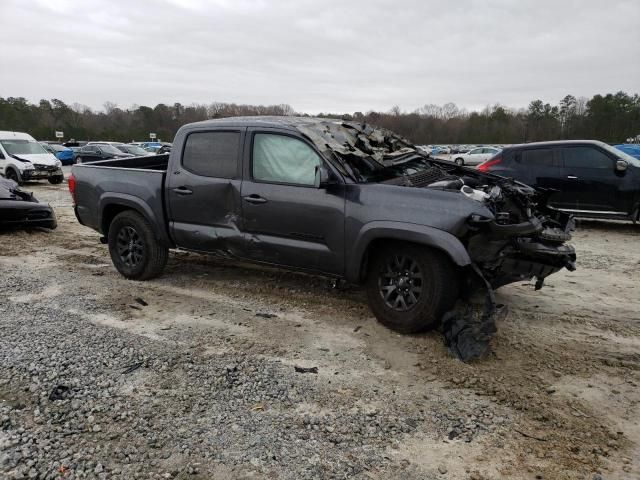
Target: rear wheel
[[134, 250], [410, 287], [459, 161]]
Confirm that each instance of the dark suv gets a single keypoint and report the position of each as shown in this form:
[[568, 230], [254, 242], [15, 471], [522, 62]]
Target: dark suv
[[585, 177], [99, 151]]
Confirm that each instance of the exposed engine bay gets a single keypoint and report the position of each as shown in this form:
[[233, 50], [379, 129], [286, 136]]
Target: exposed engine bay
[[520, 237]]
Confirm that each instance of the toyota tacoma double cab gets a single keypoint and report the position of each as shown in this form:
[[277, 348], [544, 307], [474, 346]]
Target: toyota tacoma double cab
[[341, 199]]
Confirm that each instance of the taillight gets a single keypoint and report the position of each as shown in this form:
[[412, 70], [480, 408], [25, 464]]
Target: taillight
[[71, 181], [484, 167]]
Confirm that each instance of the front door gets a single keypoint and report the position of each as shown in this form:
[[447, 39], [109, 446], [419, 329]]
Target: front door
[[590, 182], [203, 191], [287, 220]]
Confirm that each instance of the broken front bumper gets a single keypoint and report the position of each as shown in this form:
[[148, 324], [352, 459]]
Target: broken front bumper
[[536, 248]]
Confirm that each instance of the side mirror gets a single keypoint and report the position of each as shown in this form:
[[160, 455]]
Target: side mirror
[[621, 165], [322, 176]]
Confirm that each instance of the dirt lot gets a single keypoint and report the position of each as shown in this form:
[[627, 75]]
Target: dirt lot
[[200, 382]]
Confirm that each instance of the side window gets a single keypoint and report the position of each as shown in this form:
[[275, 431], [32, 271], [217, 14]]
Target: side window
[[475, 151], [212, 154], [283, 159], [537, 156], [585, 157]]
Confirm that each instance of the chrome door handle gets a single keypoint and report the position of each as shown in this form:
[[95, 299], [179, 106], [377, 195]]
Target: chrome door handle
[[255, 199], [572, 177]]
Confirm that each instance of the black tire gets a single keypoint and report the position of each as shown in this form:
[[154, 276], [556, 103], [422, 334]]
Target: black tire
[[133, 247], [438, 287], [56, 180], [77, 160], [11, 174], [459, 161]]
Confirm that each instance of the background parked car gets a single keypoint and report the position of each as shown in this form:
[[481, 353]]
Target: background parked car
[[134, 150], [630, 149], [99, 151], [22, 159], [475, 156], [21, 209], [584, 177], [64, 154]]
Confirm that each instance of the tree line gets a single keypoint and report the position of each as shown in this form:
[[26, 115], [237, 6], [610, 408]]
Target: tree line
[[612, 118]]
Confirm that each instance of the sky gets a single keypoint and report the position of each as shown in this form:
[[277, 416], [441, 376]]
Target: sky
[[337, 56]]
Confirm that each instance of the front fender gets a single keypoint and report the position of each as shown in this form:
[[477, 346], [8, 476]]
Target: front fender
[[155, 219], [407, 232]]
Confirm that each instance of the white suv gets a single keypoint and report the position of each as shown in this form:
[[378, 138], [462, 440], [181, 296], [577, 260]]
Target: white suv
[[23, 159]]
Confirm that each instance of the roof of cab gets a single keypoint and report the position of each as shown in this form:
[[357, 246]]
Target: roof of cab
[[552, 143], [258, 121], [6, 135]]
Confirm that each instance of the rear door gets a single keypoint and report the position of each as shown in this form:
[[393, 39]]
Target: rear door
[[590, 182], [203, 191], [540, 167], [287, 219]]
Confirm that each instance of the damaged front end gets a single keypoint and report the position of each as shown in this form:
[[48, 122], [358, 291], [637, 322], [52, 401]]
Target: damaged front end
[[524, 239], [519, 237], [516, 237], [19, 209]]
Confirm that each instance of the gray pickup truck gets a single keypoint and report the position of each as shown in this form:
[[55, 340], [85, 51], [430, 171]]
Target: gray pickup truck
[[341, 199]]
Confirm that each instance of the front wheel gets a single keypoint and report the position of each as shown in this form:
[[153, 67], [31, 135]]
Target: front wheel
[[409, 287], [56, 180], [459, 161], [133, 247], [11, 174]]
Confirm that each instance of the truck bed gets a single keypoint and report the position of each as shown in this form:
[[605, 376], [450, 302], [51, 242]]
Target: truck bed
[[151, 162], [137, 182]]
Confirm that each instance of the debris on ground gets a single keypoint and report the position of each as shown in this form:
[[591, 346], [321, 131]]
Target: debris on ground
[[306, 369], [59, 392]]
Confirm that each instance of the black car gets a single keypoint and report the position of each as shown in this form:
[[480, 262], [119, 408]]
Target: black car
[[584, 177], [21, 209], [96, 152]]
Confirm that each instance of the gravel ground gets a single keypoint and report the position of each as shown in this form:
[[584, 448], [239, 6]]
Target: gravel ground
[[193, 375]]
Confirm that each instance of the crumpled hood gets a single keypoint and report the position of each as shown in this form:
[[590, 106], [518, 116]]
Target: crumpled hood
[[38, 158], [355, 145]]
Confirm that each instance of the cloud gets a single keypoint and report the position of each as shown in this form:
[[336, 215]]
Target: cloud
[[318, 56]]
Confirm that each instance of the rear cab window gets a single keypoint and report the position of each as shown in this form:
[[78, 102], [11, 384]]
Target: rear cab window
[[212, 154]]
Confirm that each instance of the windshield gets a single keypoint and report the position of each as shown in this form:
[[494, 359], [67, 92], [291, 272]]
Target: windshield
[[621, 155], [110, 149], [134, 149], [57, 148], [22, 147]]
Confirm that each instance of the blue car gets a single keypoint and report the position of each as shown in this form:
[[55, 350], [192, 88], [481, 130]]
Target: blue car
[[64, 154], [632, 149]]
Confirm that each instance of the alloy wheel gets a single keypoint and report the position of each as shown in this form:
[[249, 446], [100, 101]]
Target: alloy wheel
[[130, 247], [400, 282]]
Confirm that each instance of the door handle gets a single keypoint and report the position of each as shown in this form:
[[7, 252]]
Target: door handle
[[572, 177], [255, 199], [182, 191]]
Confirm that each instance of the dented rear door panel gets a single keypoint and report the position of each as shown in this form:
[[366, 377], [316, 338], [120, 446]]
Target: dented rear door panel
[[204, 211]]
